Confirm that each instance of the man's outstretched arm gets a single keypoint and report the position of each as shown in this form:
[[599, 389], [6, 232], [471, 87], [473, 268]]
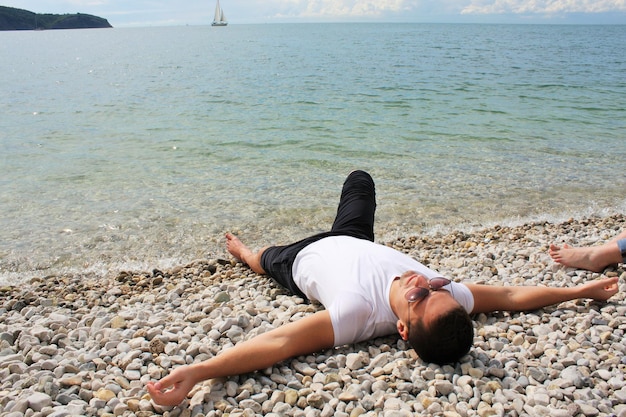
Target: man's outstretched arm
[[488, 298], [310, 334]]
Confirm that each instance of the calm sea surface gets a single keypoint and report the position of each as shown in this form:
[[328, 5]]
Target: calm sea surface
[[139, 148]]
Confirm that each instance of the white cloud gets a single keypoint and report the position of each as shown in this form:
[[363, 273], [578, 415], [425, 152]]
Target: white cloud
[[548, 7], [338, 8]]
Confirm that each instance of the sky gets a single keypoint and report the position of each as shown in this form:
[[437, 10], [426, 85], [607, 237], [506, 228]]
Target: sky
[[140, 13]]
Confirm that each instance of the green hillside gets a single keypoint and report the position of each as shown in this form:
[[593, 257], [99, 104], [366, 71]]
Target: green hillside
[[18, 19]]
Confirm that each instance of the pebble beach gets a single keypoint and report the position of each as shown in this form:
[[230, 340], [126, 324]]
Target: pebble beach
[[87, 345]]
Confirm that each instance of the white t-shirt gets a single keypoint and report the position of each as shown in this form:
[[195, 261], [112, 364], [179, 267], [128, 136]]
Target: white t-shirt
[[352, 278]]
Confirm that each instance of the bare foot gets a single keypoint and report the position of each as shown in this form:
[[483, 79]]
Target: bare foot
[[236, 247], [591, 258], [240, 251]]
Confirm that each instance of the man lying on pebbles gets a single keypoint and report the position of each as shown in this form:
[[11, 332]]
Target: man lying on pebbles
[[368, 290]]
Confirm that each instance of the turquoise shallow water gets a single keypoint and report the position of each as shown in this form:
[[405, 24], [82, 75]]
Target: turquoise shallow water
[[138, 148]]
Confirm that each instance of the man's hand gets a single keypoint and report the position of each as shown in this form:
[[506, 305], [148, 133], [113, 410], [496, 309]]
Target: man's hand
[[600, 289], [172, 389], [306, 335]]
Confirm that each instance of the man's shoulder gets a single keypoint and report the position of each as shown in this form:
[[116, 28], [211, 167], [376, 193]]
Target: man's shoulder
[[352, 316], [352, 305]]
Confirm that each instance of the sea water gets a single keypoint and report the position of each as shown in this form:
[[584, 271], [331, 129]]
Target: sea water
[[138, 148]]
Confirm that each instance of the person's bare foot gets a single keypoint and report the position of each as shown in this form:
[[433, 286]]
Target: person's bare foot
[[240, 251], [574, 257], [236, 247], [591, 258]]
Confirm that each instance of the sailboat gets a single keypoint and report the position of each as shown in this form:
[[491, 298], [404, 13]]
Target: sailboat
[[220, 18]]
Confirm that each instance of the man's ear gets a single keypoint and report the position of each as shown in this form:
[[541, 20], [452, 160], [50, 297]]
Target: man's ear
[[403, 330]]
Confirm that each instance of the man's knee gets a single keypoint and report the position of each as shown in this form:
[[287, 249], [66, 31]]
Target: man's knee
[[359, 173], [361, 179]]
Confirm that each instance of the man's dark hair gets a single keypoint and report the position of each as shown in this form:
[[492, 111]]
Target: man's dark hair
[[445, 340]]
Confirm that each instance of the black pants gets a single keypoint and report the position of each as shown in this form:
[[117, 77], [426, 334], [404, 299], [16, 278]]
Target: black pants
[[355, 217]]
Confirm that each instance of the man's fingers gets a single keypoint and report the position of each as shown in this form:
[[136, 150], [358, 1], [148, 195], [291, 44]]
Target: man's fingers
[[612, 284], [169, 397]]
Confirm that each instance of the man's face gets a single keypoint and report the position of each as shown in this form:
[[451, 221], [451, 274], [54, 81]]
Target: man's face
[[426, 309]]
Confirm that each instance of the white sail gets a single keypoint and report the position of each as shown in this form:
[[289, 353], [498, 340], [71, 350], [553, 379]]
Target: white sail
[[220, 18]]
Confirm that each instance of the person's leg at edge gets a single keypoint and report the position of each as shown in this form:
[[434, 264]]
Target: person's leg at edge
[[592, 258], [240, 251]]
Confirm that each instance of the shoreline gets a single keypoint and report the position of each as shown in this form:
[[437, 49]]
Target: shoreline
[[81, 343], [169, 250]]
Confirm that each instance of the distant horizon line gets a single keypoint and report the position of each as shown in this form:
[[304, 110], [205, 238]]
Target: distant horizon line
[[231, 23]]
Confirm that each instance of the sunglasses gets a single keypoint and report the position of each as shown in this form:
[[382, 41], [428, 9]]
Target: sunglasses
[[419, 293]]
